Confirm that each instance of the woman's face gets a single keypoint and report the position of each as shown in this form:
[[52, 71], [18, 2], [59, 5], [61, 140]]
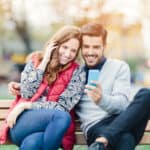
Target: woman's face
[[68, 51]]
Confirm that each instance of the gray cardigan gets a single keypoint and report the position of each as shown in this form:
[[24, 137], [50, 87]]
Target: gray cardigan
[[115, 82]]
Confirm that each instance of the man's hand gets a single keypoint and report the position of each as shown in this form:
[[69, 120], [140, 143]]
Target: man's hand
[[14, 88], [12, 117], [94, 91]]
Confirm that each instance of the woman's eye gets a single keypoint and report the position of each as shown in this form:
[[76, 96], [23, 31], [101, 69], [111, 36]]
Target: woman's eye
[[65, 47], [73, 50]]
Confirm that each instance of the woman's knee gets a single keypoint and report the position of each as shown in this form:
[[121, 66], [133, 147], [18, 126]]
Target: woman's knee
[[14, 137], [63, 117], [30, 144]]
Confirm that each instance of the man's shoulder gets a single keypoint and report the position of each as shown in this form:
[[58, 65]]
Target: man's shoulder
[[116, 65], [116, 62]]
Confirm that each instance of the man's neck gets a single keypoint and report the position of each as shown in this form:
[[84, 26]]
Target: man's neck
[[99, 65]]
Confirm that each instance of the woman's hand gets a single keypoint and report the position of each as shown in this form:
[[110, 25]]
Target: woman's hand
[[47, 55], [12, 117], [50, 47], [14, 88]]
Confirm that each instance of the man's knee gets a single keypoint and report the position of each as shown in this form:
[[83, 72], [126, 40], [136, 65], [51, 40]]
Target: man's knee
[[126, 140], [127, 137], [144, 95], [144, 92]]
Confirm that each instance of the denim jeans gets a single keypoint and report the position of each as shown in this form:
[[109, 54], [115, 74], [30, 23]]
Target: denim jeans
[[126, 142], [132, 121], [41, 129]]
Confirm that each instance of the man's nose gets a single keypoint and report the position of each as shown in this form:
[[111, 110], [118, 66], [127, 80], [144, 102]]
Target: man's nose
[[90, 51]]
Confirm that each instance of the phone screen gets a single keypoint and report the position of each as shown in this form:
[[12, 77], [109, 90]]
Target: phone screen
[[93, 75]]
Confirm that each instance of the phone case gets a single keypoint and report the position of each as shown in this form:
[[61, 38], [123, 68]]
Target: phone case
[[93, 75]]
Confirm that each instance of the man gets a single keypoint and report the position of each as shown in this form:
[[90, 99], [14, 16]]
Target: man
[[108, 121]]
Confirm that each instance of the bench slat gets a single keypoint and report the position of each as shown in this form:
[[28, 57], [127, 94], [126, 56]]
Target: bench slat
[[80, 140], [148, 127], [5, 103], [3, 113], [146, 139]]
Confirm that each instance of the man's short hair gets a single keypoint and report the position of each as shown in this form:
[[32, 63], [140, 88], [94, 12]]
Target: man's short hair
[[94, 29]]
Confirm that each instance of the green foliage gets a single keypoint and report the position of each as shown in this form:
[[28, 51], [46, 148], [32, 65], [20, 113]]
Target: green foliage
[[134, 62]]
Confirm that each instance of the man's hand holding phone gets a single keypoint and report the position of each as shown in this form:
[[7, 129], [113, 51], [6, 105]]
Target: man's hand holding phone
[[93, 88]]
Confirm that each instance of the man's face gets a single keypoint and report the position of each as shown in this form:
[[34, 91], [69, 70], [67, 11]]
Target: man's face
[[92, 50]]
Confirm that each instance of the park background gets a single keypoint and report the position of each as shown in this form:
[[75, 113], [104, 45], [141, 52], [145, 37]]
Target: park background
[[25, 26]]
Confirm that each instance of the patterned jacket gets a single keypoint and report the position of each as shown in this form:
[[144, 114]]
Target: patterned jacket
[[63, 94]]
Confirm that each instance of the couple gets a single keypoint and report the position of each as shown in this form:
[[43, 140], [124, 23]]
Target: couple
[[52, 84]]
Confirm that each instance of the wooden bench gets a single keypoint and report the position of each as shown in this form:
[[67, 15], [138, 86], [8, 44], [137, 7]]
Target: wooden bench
[[4, 105]]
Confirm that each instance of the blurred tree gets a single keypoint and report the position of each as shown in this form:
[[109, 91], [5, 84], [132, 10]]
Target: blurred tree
[[20, 26], [22, 30]]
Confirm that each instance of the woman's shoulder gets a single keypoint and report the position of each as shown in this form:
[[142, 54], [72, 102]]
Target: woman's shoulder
[[79, 73]]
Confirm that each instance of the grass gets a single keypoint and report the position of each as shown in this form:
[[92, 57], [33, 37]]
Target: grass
[[11, 147]]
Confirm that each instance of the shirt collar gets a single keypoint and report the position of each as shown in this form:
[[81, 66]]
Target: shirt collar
[[98, 66]]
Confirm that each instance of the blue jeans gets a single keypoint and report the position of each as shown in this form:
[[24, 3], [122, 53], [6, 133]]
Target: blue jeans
[[40, 129], [132, 121]]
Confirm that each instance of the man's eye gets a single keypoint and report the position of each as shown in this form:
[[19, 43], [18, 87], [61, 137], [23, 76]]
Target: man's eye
[[85, 46], [97, 47]]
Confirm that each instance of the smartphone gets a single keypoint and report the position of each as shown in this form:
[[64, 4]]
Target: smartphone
[[93, 75]]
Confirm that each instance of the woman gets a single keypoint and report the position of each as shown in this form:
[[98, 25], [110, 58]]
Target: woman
[[42, 89]]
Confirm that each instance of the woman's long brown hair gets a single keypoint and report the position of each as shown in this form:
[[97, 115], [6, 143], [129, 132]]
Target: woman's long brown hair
[[63, 35]]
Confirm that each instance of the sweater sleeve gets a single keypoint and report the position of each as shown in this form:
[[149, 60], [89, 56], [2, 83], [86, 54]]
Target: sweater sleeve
[[118, 100], [70, 97], [30, 80]]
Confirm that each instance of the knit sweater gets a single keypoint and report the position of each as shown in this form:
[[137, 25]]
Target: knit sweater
[[115, 83]]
